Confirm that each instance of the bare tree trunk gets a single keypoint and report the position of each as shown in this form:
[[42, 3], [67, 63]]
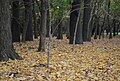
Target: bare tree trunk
[[78, 28], [50, 36], [108, 18], [118, 27], [73, 19], [114, 27], [27, 30], [91, 21], [35, 21], [96, 27], [47, 25], [6, 48], [60, 31], [15, 28], [86, 19], [43, 25], [97, 19]]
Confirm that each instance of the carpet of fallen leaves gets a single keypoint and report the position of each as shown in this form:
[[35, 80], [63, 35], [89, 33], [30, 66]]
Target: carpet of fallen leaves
[[98, 60]]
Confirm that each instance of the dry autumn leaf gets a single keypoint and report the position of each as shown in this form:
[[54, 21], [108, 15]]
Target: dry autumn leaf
[[97, 61]]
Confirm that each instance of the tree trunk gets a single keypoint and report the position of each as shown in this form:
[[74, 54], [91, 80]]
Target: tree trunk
[[38, 25], [103, 27], [67, 28], [114, 27], [47, 25], [60, 31], [15, 28], [27, 30], [91, 21], [73, 20], [86, 18], [35, 21], [6, 47], [80, 27], [108, 19], [97, 20], [96, 27], [118, 28], [43, 25]]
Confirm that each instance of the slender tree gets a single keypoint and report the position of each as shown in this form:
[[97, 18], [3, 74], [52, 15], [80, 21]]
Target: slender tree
[[108, 18], [35, 21], [43, 25], [47, 25], [73, 19], [114, 27], [97, 20], [78, 27], [91, 21], [86, 18], [27, 30], [50, 35]]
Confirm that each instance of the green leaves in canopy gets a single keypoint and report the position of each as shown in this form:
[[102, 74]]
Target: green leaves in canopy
[[59, 7], [115, 8]]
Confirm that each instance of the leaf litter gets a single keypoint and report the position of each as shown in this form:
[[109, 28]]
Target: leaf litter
[[98, 60]]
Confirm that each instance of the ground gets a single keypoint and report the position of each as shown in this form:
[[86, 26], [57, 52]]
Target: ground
[[98, 60]]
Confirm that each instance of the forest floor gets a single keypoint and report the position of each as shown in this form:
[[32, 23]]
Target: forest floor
[[98, 60]]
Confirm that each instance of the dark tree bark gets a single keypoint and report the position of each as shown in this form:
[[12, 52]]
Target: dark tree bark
[[15, 28], [97, 19], [102, 30], [60, 30], [108, 19], [6, 48], [104, 25], [35, 21], [38, 25], [43, 25], [114, 27], [86, 18], [93, 27], [80, 27], [118, 27], [67, 28], [96, 27], [47, 25], [91, 21], [73, 20], [27, 30]]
